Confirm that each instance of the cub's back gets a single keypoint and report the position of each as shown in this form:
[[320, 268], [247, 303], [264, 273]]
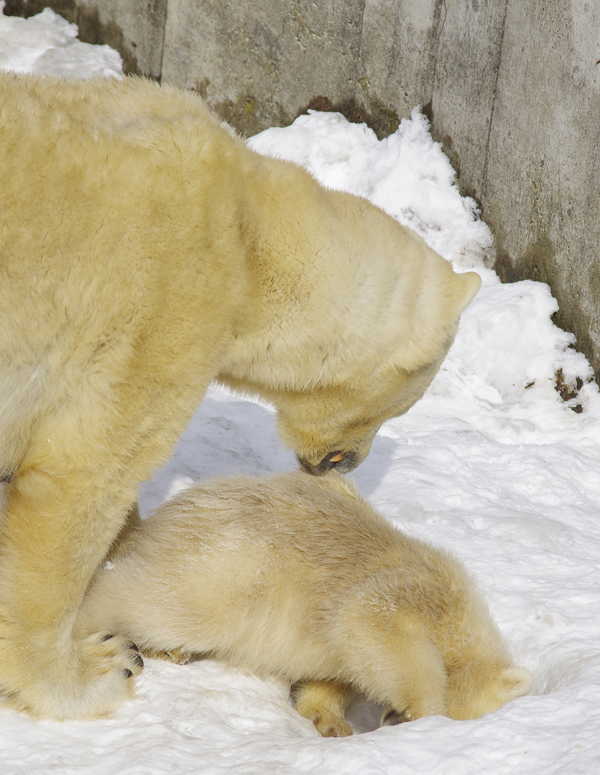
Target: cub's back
[[302, 528]]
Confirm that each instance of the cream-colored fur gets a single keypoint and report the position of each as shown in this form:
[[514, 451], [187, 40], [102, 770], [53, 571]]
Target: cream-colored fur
[[145, 251], [299, 577]]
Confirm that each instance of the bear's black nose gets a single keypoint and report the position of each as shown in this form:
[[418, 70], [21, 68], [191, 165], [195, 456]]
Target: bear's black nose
[[341, 461]]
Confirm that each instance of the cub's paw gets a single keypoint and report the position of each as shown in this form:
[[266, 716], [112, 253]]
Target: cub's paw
[[324, 703], [330, 725], [91, 680]]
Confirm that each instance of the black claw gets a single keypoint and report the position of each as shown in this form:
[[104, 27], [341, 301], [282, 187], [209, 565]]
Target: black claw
[[131, 645], [7, 694], [104, 638], [138, 660], [127, 673], [392, 718]]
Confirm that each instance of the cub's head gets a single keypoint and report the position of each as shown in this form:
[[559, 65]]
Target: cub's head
[[489, 694]]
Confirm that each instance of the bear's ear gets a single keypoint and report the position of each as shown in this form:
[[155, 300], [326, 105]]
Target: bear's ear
[[466, 286], [514, 682]]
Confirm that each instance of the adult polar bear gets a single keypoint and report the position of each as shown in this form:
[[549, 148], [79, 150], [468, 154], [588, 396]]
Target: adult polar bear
[[145, 251]]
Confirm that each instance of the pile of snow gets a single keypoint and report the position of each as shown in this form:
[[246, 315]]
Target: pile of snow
[[498, 462], [47, 43]]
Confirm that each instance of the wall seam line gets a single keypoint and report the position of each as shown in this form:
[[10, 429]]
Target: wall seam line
[[493, 107], [164, 37]]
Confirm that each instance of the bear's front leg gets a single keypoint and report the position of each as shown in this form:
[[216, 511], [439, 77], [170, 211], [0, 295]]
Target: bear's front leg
[[54, 532]]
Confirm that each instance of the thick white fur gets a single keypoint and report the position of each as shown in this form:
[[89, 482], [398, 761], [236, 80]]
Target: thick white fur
[[145, 251], [299, 577]]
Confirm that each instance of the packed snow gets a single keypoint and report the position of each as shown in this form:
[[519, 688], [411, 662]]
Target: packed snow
[[47, 43], [498, 462]]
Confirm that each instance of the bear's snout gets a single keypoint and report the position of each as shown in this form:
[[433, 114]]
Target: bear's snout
[[341, 461]]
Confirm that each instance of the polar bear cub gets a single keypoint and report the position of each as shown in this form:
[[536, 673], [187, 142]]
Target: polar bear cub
[[299, 577]]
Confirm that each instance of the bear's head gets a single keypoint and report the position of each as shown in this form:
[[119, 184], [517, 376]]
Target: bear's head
[[380, 370], [352, 318], [333, 427]]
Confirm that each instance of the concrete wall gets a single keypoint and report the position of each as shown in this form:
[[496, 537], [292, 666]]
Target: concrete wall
[[512, 88]]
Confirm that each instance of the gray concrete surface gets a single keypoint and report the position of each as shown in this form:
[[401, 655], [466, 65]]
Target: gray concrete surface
[[541, 189], [512, 89]]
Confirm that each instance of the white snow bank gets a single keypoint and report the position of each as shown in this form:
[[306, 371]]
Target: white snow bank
[[405, 174], [47, 43]]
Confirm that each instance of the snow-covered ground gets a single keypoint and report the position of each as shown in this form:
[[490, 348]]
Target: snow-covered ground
[[492, 463]]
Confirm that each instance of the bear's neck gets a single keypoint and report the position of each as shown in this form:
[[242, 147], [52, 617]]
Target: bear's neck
[[333, 285], [298, 323]]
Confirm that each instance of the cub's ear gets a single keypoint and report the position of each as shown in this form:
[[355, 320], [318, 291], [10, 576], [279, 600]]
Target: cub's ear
[[466, 286], [513, 682]]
